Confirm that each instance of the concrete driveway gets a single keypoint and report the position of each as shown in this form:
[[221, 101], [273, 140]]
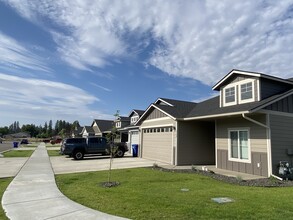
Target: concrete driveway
[[63, 164], [10, 166]]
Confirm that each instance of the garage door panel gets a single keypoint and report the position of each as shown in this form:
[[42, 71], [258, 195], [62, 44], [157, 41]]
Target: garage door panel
[[157, 146]]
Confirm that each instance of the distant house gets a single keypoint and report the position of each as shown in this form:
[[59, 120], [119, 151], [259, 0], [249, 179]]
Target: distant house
[[18, 135], [120, 123], [87, 131], [247, 128], [102, 127], [77, 132], [132, 130]]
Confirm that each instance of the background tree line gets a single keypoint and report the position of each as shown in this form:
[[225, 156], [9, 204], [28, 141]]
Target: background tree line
[[61, 128]]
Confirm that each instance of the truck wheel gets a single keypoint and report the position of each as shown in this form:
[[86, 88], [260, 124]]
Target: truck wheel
[[78, 155], [120, 153]]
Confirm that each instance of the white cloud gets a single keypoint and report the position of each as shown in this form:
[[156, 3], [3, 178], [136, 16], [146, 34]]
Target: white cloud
[[42, 100], [14, 55], [198, 39], [101, 87]]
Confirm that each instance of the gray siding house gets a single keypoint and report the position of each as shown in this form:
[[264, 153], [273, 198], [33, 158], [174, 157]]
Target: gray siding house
[[247, 128], [102, 127], [130, 129]]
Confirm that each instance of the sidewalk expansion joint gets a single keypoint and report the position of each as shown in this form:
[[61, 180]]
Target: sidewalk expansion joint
[[35, 200]]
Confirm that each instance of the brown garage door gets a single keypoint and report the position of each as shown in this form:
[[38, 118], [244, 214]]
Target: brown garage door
[[157, 144]]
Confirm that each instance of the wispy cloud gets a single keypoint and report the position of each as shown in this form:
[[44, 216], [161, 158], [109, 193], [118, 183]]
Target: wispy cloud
[[101, 87], [44, 99], [14, 55], [198, 39]]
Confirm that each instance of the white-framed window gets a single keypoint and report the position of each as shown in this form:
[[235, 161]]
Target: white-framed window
[[239, 92], [246, 92], [118, 124], [230, 96], [134, 119], [239, 145]]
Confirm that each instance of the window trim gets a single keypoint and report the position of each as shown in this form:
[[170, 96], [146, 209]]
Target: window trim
[[237, 87], [239, 91], [248, 143], [235, 96]]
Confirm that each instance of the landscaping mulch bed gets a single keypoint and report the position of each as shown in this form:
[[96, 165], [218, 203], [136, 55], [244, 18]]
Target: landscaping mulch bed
[[264, 182]]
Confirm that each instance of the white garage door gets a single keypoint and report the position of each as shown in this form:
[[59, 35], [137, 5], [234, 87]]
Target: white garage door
[[157, 144], [134, 137]]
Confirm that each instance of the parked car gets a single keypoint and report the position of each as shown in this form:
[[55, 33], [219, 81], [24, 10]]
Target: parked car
[[56, 141], [78, 147], [24, 141]]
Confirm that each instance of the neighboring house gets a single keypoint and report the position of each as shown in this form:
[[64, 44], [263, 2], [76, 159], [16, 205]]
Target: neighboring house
[[247, 128], [87, 131], [18, 135], [76, 132], [131, 129], [120, 123], [102, 127]]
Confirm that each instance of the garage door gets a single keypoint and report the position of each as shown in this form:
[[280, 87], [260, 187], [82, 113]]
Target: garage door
[[157, 144], [134, 139]]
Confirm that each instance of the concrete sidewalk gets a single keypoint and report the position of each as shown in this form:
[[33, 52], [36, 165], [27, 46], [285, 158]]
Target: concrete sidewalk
[[33, 194]]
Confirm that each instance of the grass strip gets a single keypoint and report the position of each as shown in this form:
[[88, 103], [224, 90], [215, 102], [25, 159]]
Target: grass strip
[[53, 153], [18, 153], [4, 182], [152, 194]]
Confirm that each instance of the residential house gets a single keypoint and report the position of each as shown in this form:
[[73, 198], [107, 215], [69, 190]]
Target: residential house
[[102, 127], [120, 123], [247, 128], [131, 129], [87, 131], [77, 132]]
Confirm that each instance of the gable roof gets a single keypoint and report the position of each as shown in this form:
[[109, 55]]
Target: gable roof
[[104, 125], [248, 73], [171, 107], [211, 107], [88, 129], [139, 112]]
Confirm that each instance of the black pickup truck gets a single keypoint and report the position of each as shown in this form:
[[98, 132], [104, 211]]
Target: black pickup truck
[[78, 147]]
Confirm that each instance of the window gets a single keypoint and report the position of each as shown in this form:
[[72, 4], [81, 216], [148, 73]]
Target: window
[[246, 91], [118, 124], [134, 119], [230, 95], [239, 149]]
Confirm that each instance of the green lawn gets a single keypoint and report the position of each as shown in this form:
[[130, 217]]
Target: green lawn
[[18, 153], [153, 194], [4, 182], [53, 153]]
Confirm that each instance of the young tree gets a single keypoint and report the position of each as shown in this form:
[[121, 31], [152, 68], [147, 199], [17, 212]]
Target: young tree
[[111, 137]]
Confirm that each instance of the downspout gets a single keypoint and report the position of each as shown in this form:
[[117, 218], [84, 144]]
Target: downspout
[[268, 144]]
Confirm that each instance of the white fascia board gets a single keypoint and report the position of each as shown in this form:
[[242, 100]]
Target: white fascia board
[[215, 116], [235, 72], [162, 100]]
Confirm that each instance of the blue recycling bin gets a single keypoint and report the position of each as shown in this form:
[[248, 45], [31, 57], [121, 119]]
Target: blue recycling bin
[[134, 150], [15, 144]]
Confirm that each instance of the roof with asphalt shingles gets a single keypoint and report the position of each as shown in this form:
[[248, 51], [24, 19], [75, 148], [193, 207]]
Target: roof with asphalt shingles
[[104, 125]]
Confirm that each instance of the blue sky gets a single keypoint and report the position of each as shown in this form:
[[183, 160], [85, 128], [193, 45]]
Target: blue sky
[[83, 60]]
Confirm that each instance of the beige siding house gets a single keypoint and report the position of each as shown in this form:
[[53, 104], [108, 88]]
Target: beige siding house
[[248, 128]]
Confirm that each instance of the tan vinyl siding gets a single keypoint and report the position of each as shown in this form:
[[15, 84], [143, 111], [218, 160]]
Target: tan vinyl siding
[[158, 122], [281, 139], [258, 144], [258, 135], [196, 143]]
